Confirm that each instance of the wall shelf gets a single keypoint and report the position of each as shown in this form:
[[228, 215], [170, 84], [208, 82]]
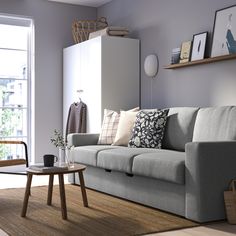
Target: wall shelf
[[203, 61]]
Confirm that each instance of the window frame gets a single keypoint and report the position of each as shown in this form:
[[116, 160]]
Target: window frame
[[25, 21]]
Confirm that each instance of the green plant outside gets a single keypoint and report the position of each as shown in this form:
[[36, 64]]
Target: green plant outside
[[9, 120]]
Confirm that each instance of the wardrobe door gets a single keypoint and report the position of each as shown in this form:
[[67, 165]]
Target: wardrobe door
[[120, 73], [90, 76], [71, 68]]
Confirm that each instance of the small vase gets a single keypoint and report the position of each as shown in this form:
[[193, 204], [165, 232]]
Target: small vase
[[62, 157], [70, 157]]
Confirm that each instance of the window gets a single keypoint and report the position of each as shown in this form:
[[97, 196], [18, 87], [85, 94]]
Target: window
[[16, 56]]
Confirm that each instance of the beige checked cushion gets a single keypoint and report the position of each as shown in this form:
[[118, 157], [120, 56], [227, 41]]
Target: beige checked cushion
[[109, 127]]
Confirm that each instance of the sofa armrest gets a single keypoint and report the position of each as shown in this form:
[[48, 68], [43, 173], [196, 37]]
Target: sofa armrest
[[209, 168], [82, 139]]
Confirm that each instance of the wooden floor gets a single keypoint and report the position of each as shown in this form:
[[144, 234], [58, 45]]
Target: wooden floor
[[219, 229], [14, 181], [2, 233], [215, 229], [222, 229]]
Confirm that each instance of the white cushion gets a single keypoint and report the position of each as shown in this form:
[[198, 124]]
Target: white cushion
[[125, 126]]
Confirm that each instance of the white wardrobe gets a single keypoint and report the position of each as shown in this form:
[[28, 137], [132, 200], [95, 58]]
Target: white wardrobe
[[106, 69]]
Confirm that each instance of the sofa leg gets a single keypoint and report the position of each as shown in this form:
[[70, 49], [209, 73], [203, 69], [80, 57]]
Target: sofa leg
[[129, 175]]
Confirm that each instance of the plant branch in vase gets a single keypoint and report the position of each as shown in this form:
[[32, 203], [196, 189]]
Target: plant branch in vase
[[65, 155], [58, 139]]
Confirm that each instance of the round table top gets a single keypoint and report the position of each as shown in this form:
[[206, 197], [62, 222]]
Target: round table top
[[41, 170]]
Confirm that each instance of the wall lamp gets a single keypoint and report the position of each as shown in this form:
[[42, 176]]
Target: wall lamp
[[151, 65]]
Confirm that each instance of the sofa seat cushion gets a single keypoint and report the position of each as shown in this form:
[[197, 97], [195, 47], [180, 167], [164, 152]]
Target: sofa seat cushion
[[164, 165], [120, 159], [88, 154]]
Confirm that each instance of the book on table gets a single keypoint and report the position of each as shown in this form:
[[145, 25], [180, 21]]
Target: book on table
[[43, 168]]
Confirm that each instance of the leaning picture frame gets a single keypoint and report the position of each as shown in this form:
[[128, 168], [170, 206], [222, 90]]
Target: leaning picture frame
[[185, 51], [199, 46], [224, 32]]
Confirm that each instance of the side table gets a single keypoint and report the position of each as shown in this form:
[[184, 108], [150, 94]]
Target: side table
[[51, 172]]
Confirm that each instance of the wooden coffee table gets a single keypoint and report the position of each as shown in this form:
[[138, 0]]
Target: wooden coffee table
[[77, 168]]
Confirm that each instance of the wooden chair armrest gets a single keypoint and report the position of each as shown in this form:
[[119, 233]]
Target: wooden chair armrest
[[15, 161], [11, 142], [12, 162]]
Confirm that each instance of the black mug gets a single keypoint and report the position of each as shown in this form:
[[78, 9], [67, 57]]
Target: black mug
[[49, 160]]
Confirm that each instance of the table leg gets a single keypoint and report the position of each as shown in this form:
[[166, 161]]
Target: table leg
[[63, 196], [83, 190], [27, 193], [50, 189]]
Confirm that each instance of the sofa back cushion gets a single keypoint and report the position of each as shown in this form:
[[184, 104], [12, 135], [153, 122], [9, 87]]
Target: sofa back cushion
[[215, 124], [179, 127]]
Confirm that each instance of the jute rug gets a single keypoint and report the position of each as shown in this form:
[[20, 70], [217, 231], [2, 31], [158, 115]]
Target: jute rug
[[106, 215]]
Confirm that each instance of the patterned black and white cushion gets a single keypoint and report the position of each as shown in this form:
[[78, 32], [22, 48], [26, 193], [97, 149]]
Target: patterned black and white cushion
[[148, 130]]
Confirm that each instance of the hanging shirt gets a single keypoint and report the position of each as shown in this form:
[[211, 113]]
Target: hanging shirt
[[76, 121]]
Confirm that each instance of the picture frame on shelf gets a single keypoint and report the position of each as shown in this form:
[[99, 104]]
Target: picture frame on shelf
[[185, 51], [224, 32], [199, 46]]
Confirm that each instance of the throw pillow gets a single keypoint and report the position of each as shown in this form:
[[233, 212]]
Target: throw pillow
[[109, 127], [148, 129], [134, 109], [125, 126]]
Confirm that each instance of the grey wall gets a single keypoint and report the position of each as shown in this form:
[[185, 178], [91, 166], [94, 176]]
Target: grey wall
[[162, 25], [52, 33]]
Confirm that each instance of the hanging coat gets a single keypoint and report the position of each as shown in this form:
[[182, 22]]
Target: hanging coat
[[76, 121]]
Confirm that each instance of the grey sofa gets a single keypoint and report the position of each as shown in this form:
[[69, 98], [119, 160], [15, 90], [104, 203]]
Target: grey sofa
[[187, 177]]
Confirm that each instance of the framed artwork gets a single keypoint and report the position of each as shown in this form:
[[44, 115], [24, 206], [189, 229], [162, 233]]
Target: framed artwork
[[224, 32], [199, 45], [185, 51]]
